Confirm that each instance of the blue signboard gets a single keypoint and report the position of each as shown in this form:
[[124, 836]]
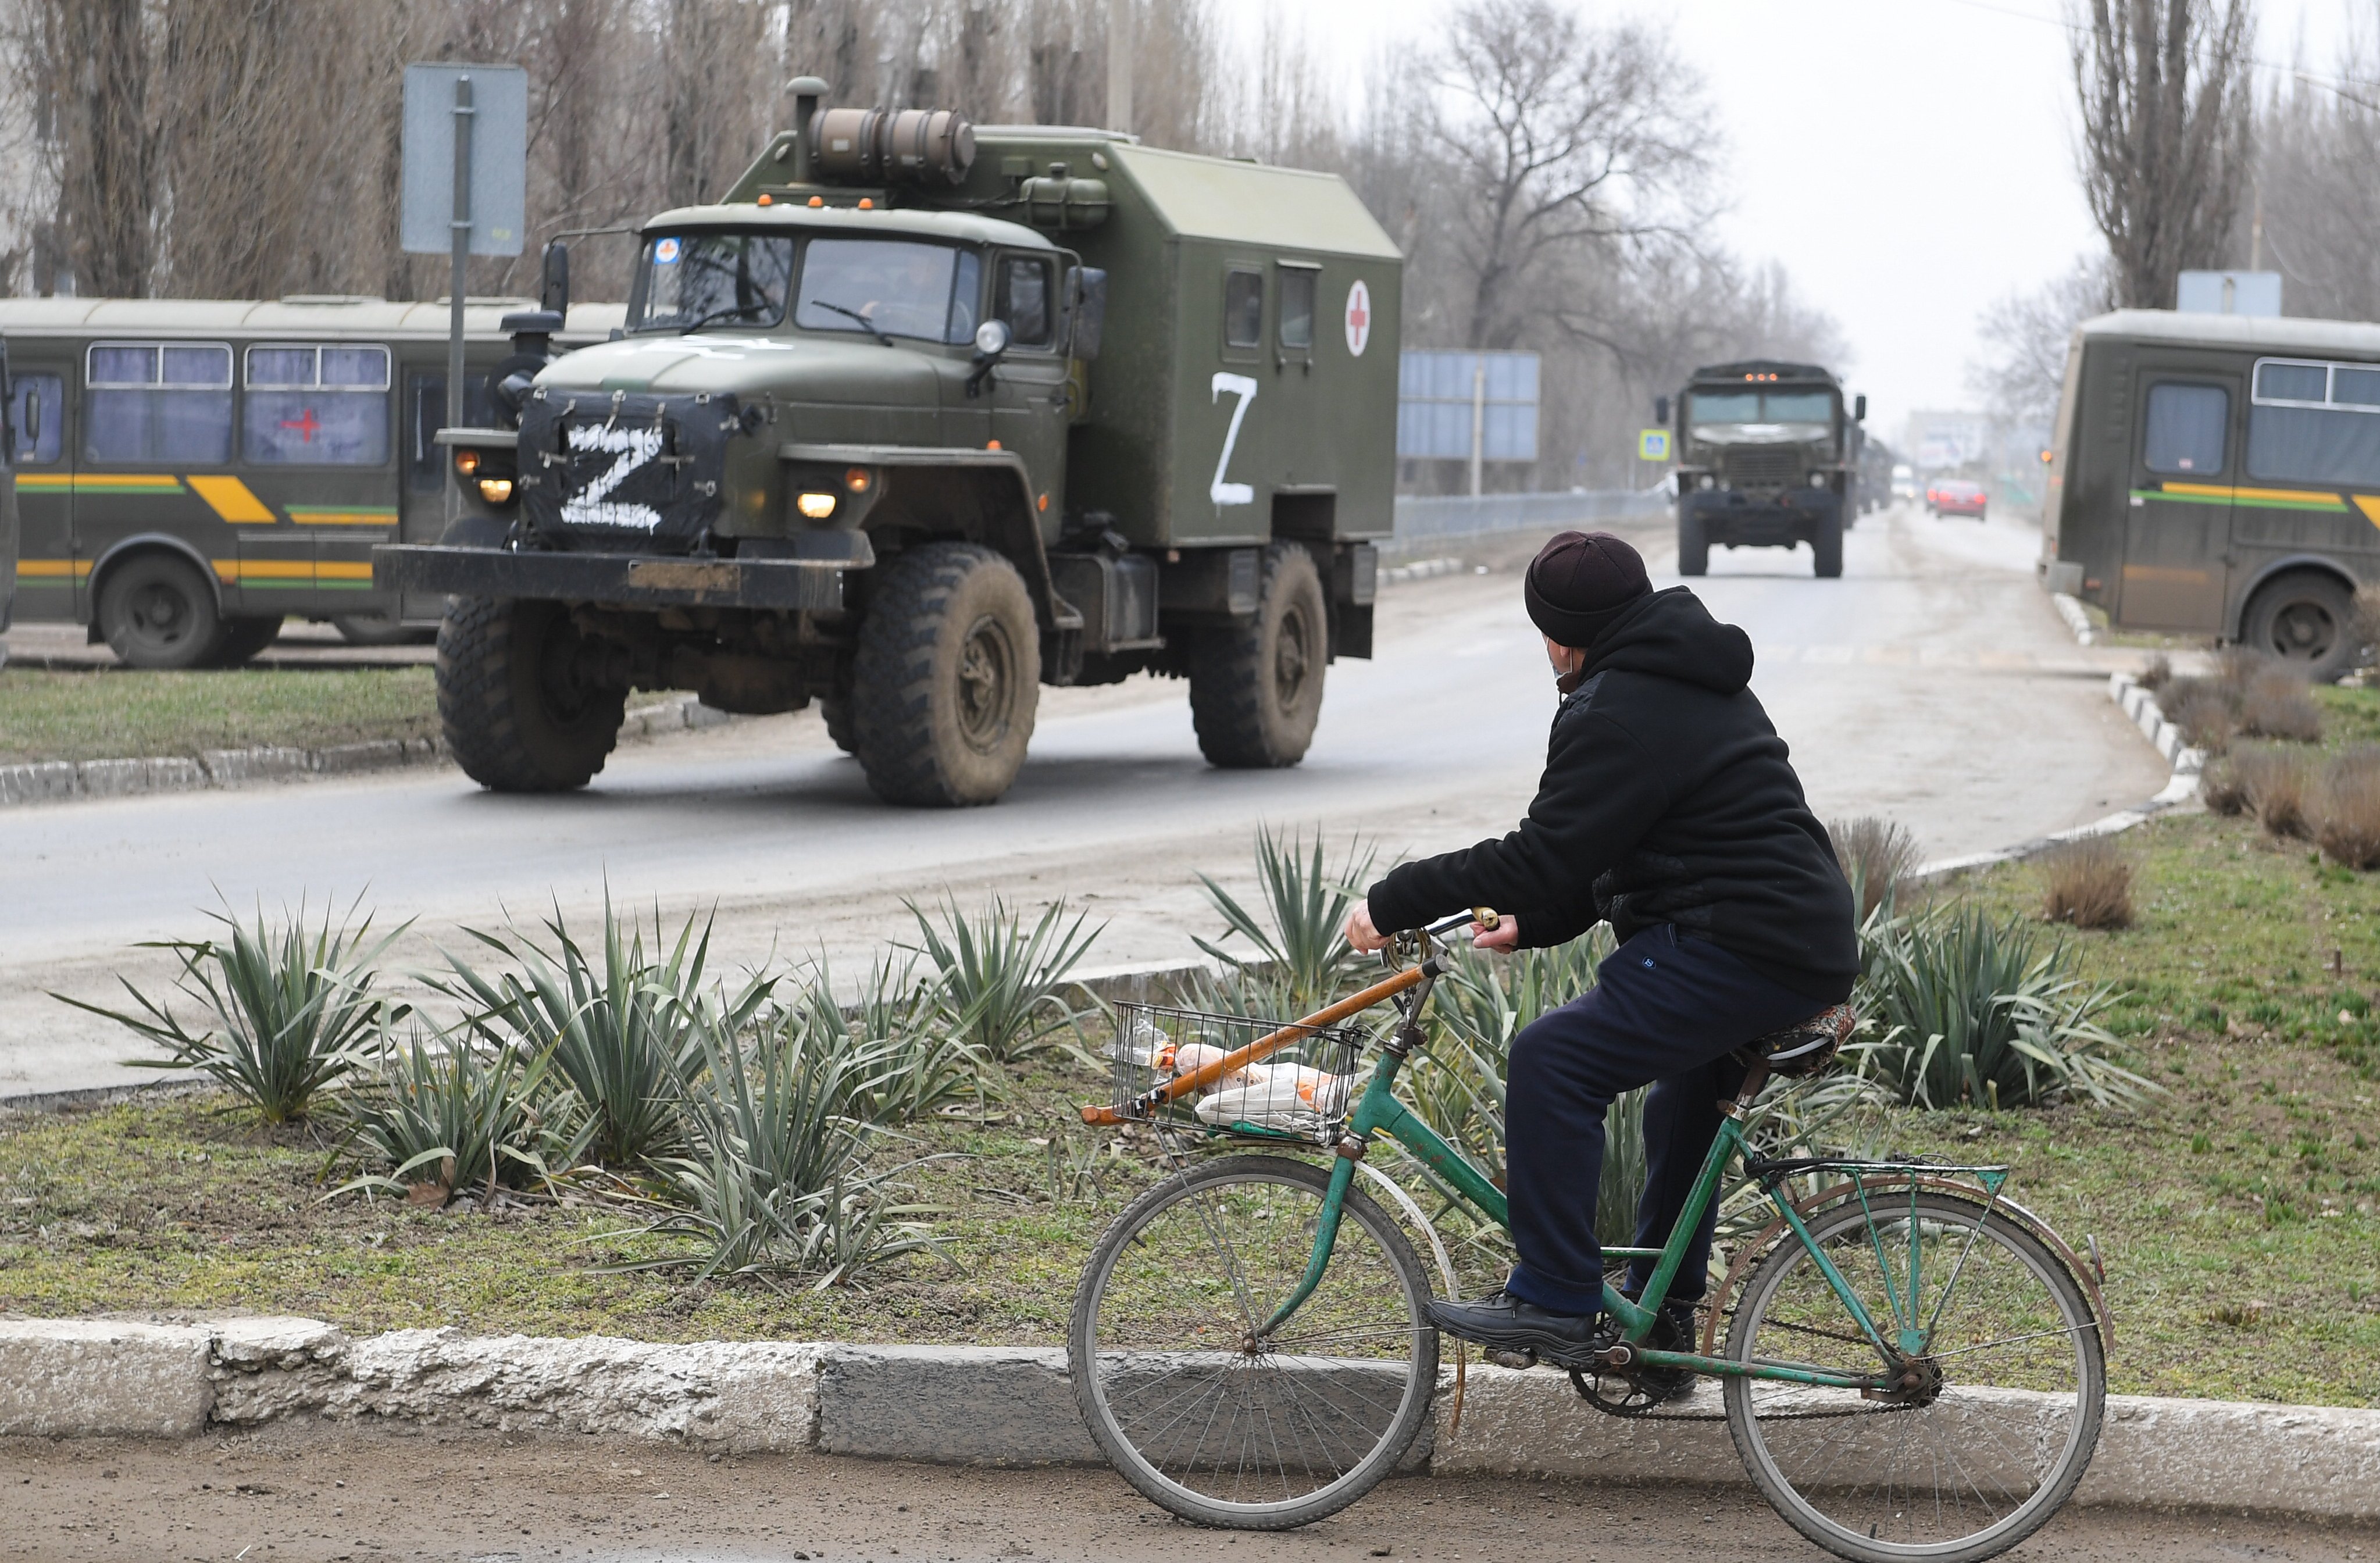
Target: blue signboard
[[1439, 393]]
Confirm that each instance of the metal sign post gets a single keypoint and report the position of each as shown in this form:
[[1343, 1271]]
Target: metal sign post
[[460, 237]]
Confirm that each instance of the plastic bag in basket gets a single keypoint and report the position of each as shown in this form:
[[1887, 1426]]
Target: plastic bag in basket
[[1295, 1097]]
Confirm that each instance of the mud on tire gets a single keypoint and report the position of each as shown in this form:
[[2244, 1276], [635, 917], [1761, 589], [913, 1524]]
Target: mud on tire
[[519, 711], [1255, 684], [946, 677]]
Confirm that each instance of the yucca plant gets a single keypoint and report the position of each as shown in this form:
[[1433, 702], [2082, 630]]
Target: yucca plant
[[1972, 1009], [621, 1027], [1003, 986], [443, 1115], [778, 1183], [1301, 932], [290, 1005], [918, 1064]]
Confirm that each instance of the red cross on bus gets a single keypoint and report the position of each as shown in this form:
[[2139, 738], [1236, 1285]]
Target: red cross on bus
[[305, 425]]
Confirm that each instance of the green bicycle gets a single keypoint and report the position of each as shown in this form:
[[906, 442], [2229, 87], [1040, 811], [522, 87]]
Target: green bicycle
[[1914, 1366]]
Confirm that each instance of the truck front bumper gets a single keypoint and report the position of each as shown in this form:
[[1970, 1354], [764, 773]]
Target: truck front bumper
[[1732, 517], [625, 580]]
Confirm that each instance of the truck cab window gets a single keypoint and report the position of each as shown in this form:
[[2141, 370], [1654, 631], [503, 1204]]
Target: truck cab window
[[1296, 306], [36, 413], [1023, 300], [2186, 431], [726, 280], [1242, 308], [887, 287]]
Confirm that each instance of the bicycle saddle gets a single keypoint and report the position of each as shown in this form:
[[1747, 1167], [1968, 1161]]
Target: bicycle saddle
[[1805, 1047]]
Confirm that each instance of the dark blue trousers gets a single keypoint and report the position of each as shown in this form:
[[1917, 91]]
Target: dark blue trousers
[[1666, 1012]]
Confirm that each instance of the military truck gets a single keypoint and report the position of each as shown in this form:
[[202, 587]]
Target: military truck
[[921, 416], [1765, 459]]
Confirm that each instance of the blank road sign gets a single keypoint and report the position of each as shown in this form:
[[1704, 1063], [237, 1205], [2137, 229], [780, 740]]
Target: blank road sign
[[1435, 393], [499, 158]]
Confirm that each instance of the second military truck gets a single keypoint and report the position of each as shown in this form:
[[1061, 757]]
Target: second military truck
[[922, 415], [1767, 457]]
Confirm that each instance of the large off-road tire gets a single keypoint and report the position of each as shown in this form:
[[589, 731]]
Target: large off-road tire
[[946, 677], [242, 638], [157, 610], [515, 701], [1255, 684], [2304, 618], [836, 710], [1826, 548], [1694, 545]]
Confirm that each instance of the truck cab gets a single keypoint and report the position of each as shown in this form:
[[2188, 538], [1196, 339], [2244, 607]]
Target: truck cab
[[1767, 457]]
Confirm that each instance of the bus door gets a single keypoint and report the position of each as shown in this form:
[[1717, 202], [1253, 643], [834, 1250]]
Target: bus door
[[2177, 525], [49, 575], [317, 451], [422, 498]]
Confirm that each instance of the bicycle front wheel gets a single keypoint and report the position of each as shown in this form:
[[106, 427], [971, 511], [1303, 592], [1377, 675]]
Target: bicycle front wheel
[[1992, 1381], [1209, 1418]]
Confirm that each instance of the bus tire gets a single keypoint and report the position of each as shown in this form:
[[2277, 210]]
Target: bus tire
[[945, 678], [1826, 548], [521, 708], [158, 611], [1694, 546], [1256, 684], [2306, 618], [242, 638]]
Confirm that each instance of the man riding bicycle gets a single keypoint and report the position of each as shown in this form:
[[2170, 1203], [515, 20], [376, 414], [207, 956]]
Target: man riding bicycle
[[1668, 808]]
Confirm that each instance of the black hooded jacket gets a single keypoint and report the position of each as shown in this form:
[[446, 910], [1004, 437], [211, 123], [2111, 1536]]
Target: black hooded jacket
[[1667, 798]]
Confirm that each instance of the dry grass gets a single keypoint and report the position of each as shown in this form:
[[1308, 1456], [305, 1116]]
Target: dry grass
[[1876, 855], [2221, 787], [2089, 884], [2277, 703], [2276, 781], [2346, 808], [2157, 675], [2248, 696]]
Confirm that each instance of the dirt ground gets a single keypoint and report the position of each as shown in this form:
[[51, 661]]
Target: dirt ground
[[294, 1496]]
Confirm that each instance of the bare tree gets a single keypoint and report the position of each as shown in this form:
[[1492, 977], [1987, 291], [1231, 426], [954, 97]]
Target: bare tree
[[85, 65], [2167, 122], [2026, 334], [2317, 144], [1560, 135]]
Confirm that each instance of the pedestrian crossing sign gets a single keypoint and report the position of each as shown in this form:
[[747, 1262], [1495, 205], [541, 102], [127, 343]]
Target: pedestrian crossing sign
[[1652, 445]]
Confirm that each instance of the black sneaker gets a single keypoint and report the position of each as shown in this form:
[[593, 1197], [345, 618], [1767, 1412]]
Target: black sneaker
[[1502, 1322]]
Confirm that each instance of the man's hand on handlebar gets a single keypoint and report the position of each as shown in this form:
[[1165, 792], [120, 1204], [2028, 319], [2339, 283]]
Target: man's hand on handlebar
[[1364, 937]]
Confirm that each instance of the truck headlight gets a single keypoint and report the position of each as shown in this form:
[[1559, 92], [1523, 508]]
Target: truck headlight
[[1709, 482], [496, 491], [817, 507], [1817, 479]]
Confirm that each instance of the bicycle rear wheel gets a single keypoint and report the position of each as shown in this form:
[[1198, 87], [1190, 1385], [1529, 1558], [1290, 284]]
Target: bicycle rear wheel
[[1998, 1353], [1208, 1419]]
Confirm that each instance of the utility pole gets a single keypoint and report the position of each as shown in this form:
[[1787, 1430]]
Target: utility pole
[[1479, 416], [1120, 61]]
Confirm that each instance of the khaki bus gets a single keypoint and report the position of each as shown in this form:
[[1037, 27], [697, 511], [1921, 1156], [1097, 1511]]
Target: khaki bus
[[2219, 475], [191, 473]]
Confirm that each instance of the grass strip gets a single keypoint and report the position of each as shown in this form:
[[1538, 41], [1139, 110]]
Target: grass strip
[[122, 713]]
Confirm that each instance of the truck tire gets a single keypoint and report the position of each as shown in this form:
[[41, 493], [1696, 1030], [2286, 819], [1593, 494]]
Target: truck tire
[[2305, 618], [946, 677], [1694, 545], [242, 638], [157, 610], [1255, 684], [514, 703], [836, 709], [1826, 548]]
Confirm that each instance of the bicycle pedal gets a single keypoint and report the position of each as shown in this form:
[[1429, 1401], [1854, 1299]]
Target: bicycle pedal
[[1524, 1358]]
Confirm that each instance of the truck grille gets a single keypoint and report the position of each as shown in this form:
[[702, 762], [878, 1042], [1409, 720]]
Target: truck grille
[[1761, 468], [623, 470]]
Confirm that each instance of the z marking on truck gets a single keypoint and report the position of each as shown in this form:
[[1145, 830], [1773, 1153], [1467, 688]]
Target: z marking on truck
[[634, 447], [1243, 387]]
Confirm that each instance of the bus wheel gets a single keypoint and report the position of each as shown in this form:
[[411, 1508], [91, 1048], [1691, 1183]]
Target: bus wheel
[[157, 610], [2305, 618], [242, 639], [946, 677], [1255, 684], [524, 700]]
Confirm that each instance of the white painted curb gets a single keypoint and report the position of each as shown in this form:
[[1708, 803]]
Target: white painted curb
[[2077, 620]]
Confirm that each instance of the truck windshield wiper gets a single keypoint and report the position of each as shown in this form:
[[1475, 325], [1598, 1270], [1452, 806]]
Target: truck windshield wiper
[[871, 327], [722, 313]]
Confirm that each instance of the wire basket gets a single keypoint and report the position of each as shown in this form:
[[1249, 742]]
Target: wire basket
[[1303, 1090]]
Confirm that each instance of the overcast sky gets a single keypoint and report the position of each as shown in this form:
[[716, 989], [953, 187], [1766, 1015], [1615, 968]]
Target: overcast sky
[[1909, 160]]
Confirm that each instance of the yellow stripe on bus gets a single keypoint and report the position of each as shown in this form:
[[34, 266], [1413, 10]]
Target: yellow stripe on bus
[[2288, 496], [230, 498], [331, 570], [350, 516], [53, 569], [98, 482], [2370, 505]]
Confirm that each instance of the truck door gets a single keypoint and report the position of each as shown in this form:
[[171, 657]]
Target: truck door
[[1030, 398], [2177, 523], [48, 574]]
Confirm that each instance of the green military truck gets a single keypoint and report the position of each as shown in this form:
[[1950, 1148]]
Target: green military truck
[[1766, 458], [920, 417]]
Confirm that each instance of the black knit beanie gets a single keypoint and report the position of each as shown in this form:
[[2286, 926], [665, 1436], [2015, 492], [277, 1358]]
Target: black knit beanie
[[1579, 583]]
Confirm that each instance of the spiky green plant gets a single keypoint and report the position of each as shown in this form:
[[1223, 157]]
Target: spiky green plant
[[919, 1064], [1003, 986], [1302, 931], [621, 1025], [290, 1007], [442, 1115]]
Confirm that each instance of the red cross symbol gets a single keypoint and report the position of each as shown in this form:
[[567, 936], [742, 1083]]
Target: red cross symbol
[[305, 425], [1357, 316]]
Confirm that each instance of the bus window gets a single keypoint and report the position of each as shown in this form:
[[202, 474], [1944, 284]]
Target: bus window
[[425, 415], [158, 402], [2186, 425], [39, 418], [316, 404], [2315, 423]]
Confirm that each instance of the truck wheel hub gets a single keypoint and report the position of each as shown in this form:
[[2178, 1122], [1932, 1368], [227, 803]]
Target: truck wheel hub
[[985, 682], [1290, 660]]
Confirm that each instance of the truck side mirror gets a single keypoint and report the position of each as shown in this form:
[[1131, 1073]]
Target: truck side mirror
[[1859, 407], [1660, 409], [554, 297], [1089, 294]]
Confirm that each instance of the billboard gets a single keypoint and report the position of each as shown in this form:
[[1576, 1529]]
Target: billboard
[[1438, 394]]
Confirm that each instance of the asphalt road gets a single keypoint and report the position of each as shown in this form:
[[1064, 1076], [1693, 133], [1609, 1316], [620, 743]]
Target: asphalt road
[[303, 1494], [1933, 683]]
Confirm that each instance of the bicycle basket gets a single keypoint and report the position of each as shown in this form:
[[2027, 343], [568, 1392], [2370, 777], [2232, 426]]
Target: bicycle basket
[[1302, 1091]]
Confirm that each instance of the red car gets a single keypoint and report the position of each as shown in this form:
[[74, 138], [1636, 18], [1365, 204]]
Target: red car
[[1954, 496]]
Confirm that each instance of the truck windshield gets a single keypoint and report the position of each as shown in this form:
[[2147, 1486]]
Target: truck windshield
[[889, 287], [1705, 408], [725, 279]]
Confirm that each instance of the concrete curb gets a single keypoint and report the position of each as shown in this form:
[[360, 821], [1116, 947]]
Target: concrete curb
[[2077, 619], [1420, 570], [1002, 1405], [63, 780]]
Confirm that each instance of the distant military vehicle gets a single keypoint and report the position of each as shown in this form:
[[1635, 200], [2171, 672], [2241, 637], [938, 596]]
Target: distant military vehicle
[[920, 416], [1874, 461], [1765, 459]]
